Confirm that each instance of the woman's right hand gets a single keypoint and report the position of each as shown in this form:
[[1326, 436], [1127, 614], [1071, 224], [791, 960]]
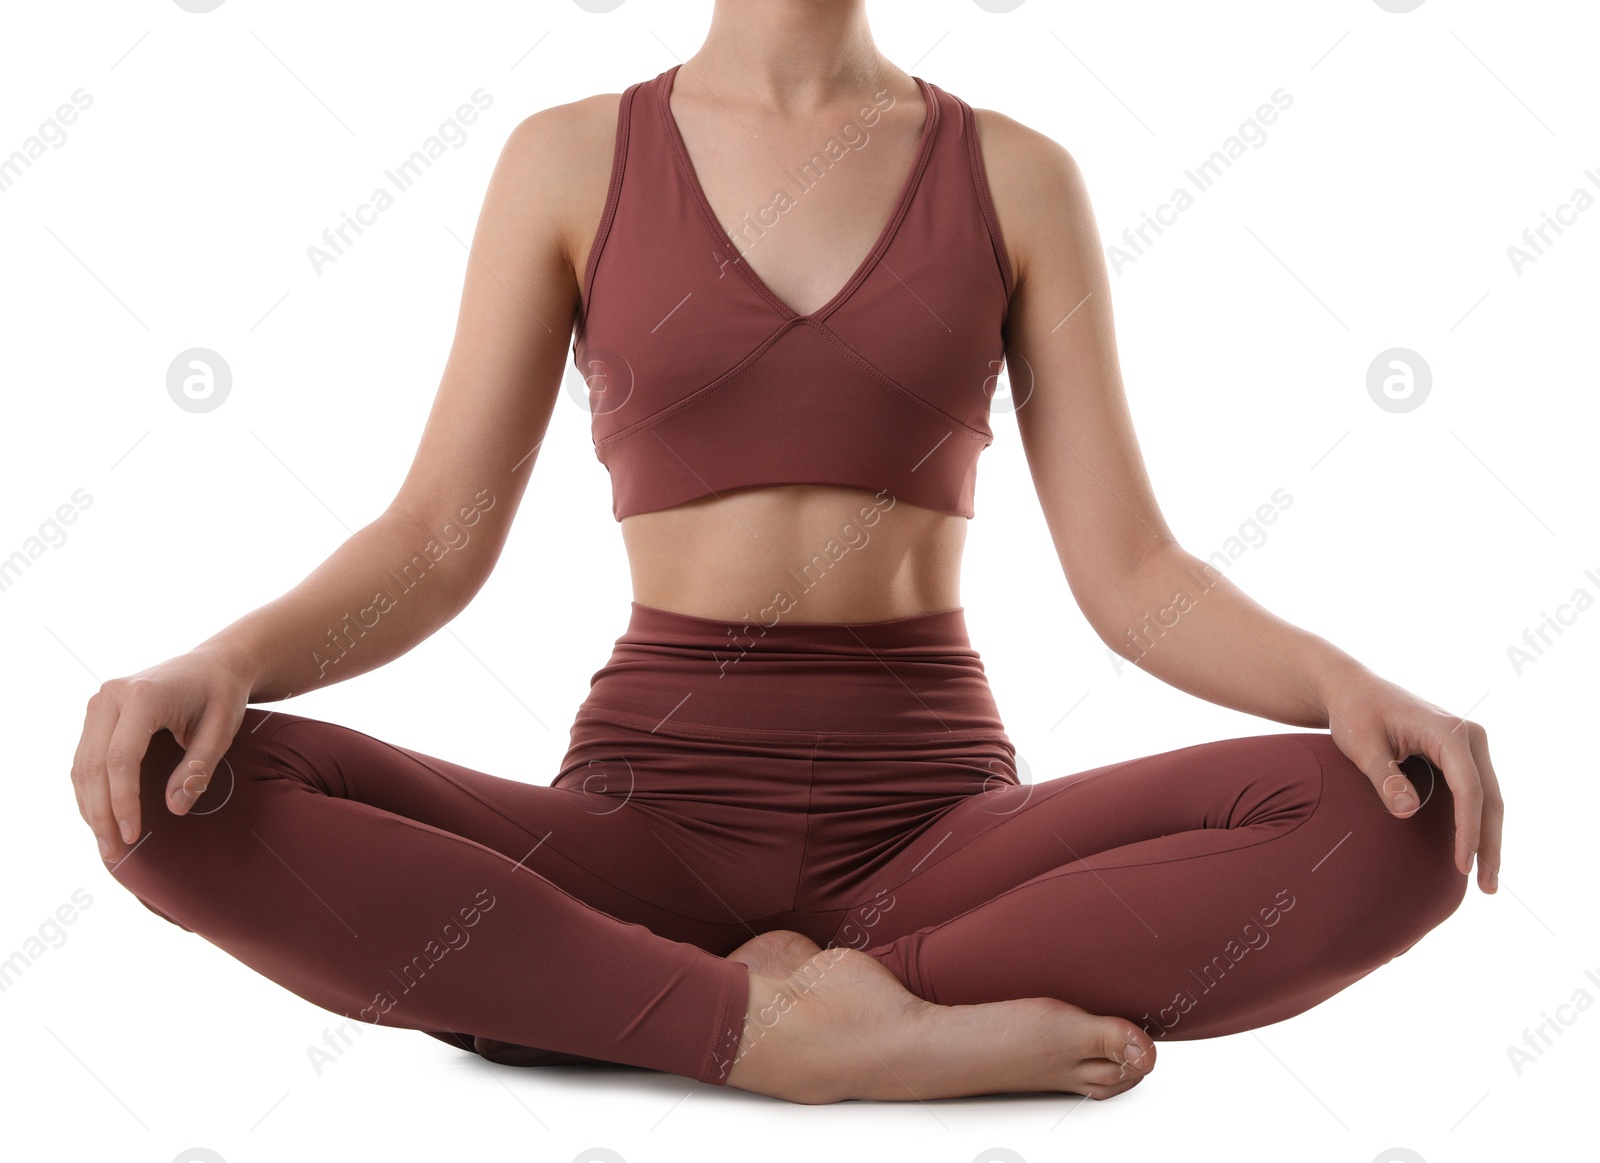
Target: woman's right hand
[[200, 697]]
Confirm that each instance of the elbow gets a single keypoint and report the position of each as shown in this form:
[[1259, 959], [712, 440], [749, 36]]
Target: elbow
[[460, 545]]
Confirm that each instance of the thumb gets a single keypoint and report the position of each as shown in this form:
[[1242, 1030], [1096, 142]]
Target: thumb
[[1398, 792], [1376, 758], [201, 758]]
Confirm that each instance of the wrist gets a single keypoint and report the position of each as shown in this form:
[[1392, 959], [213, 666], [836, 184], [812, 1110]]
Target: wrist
[[1336, 673], [237, 657]]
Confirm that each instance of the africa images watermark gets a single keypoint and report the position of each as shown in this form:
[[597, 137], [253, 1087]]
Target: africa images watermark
[[1537, 639], [1541, 1037], [50, 535], [851, 137], [1251, 134], [854, 931], [51, 134], [342, 639], [451, 937], [451, 134], [1252, 935], [854, 937], [812, 574], [766, 1017], [50, 935], [1536, 239], [1139, 640]]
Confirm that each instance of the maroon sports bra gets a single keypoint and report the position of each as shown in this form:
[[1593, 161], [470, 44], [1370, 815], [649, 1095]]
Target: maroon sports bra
[[701, 380]]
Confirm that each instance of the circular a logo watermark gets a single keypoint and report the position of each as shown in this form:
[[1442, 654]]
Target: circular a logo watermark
[[1008, 393], [600, 6], [599, 1154], [1398, 380], [197, 810], [1420, 765], [600, 381], [198, 380], [604, 781], [1000, 6], [998, 1155], [1399, 6], [1001, 795], [199, 6], [1398, 1154]]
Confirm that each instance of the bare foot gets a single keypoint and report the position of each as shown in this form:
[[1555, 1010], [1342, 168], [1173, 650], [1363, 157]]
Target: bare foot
[[776, 953], [840, 1026]]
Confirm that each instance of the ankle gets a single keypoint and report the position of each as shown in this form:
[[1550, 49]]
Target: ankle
[[757, 1057]]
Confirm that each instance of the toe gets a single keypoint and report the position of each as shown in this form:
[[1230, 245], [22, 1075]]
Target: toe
[[1101, 1079], [1125, 1044], [1100, 1093], [1100, 1073]]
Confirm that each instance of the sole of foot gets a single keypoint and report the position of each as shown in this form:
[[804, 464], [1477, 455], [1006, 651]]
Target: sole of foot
[[827, 1025]]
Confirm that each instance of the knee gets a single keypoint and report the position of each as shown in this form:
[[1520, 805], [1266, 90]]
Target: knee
[[1426, 845], [249, 754], [1402, 871], [172, 846]]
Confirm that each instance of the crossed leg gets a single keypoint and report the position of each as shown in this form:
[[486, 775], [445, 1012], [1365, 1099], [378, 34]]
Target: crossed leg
[[1197, 892], [395, 888]]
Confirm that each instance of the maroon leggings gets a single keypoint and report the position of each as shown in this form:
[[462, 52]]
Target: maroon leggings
[[851, 781]]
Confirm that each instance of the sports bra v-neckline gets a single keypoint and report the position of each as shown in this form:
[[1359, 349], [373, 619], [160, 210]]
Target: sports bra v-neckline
[[721, 236], [700, 381]]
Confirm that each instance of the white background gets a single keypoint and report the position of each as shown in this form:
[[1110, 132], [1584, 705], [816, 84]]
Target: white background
[[1377, 214]]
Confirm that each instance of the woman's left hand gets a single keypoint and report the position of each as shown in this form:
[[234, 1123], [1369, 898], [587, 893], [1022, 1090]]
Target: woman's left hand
[[1377, 724]]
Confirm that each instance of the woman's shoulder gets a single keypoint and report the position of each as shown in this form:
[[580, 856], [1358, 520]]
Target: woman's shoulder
[[560, 158], [1033, 180], [572, 132], [1013, 150]]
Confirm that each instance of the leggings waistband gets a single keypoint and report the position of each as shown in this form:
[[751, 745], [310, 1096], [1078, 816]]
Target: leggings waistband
[[934, 632], [689, 675]]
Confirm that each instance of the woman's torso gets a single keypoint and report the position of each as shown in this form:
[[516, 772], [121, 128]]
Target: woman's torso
[[805, 552]]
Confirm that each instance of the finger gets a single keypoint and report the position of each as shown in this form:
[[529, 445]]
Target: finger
[[1493, 810], [79, 767], [210, 741], [89, 774], [130, 738], [1373, 753], [1461, 773], [1399, 793]]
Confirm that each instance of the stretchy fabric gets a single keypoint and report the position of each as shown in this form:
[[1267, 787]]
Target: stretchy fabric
[[851, 781], [694, 365]]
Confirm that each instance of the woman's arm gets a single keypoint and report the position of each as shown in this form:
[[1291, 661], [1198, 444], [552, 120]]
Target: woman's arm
[[1183, 621], [1146, 597], [399, 579], [354, 612]]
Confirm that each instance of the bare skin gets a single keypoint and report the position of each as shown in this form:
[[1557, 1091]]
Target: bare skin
[[825, 1025], [724, 555], [771, 80]]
